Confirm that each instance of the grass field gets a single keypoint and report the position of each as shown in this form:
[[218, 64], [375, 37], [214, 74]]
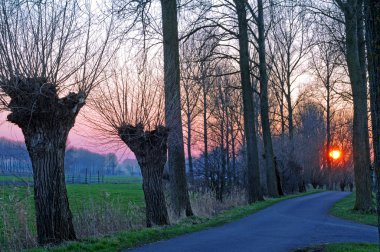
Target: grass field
[[121, 179], [344, 209], [90, 204], [78, 193], [15, 178]]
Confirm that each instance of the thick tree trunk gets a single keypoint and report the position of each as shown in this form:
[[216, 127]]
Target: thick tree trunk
[[45, 120], [54, 218], [360, 125], [173, 120], [253, 175], [156, 212], [264, 107], [372, 14], [150, 149]]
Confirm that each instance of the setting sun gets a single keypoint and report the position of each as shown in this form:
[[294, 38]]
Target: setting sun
[[335, 154]]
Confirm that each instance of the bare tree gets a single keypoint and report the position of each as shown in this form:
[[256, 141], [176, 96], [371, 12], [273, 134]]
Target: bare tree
[[288, 45], [372, 14], [253, 176], [272, 182], [50, 59], [132, 112], [310, 132], [353, 19], [326, 62], [173, 119], [191, 95], [140, 17]]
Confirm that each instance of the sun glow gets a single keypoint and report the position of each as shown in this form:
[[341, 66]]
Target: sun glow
[[335, 154]]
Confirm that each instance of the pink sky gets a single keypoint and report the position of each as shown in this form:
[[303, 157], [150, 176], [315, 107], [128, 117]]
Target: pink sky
[[76, 139]]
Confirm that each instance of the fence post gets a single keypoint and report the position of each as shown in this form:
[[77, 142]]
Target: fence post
[[85, 179]]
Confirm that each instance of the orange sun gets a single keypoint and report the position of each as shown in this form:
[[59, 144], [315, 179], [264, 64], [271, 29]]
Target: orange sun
[[335, 154]]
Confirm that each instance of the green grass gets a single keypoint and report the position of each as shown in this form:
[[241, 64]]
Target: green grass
[[351, 247], [79, 193], [15, 178], [16, 201], [121, 179], [342, 247], [344, 209], [135, 238], [122, 193]]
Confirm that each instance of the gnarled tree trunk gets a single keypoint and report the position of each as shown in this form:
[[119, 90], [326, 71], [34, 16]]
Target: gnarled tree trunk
[[150, 149], [45, 120], [46, 149]]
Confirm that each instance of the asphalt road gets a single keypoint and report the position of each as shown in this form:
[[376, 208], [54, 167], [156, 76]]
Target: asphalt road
[[284, 226]]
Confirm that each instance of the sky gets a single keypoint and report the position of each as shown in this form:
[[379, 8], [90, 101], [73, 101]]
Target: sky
[[77, 138]]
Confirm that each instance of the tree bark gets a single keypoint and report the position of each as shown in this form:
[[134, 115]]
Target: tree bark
[[150, 149], [189, 155], [54, 218], [372, 14], [264, 107], [253, 176], [45, 120], [233, 171], [360, 123], [328, 136], [222, 156], [173, 120], [205, 137]]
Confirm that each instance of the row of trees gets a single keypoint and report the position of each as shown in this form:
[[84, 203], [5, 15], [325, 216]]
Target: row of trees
[[231, 69]]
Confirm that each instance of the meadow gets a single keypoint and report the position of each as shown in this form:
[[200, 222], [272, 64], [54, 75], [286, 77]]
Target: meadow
[[98, 209]]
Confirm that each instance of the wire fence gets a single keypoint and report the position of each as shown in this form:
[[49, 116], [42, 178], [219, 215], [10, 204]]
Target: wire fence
[[26, 178]]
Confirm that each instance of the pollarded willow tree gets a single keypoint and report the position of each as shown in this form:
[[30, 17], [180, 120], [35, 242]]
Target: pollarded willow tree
[[50, 59], [131, 110], [144, 16]]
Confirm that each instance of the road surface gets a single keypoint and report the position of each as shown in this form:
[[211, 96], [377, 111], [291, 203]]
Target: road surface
[[284, 226]]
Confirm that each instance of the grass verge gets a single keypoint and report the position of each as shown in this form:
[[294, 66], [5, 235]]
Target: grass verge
[[351, 247], [125, 240], [344, 209], [342, 247]]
